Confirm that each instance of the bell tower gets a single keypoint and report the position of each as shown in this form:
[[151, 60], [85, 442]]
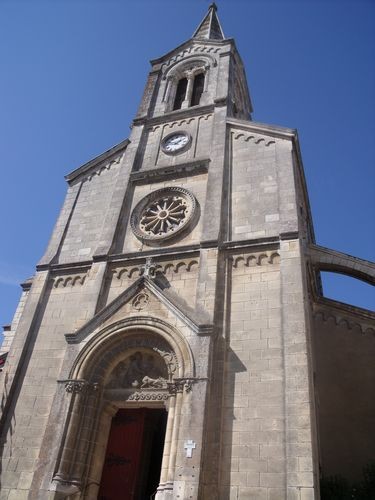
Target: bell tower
[[164, 345], [192, 75]]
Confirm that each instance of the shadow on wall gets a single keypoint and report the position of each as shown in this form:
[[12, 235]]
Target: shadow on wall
[[13, 387], [344, 385], [230, 415], [338, 488]]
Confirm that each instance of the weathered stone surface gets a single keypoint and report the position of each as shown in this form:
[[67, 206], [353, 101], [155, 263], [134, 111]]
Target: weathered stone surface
[[225, 307]]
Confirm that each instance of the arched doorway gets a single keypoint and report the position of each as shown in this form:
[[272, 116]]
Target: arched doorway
[[134, 454], [127, 389]]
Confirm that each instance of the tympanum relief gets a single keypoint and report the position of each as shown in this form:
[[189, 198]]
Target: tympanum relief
[[141, 370]]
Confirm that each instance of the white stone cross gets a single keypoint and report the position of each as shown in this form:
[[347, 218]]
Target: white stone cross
[[189, 446]]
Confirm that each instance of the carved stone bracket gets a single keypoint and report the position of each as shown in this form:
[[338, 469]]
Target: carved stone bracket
[[73, 386], [182, 384], [64, 487]]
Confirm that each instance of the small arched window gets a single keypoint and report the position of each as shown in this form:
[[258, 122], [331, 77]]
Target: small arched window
[[180, 93], [198, 88]]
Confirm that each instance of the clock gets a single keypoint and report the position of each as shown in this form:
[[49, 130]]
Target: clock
[[177, 142]]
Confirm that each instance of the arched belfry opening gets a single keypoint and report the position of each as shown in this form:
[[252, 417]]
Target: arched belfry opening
[[186, 83], [127, 389]]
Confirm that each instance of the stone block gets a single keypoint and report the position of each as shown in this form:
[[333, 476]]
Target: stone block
[[251, 493]]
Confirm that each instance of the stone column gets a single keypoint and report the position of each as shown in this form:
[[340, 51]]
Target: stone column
[[167, 445], [189, 90], [63, 477]]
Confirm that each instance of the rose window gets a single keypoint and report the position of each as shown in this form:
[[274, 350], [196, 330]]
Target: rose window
[[163, 214]]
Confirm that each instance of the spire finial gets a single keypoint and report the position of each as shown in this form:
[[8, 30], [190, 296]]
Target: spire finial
[[210, 28]]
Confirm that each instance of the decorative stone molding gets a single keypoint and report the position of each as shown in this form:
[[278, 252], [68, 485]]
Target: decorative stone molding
[[64, 486], [182, 384], [103, 168], [142, 343], [343, 320], [143, 369], [185, 121], [256, 139], [148, 396], [163, 214], [255, 259], [165, 173], [140, 301], [69, 281], [74, 386], [152, 394], [191, 53], [174, 267]]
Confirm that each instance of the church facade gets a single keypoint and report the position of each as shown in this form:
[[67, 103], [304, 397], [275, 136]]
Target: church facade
[[174, 342]]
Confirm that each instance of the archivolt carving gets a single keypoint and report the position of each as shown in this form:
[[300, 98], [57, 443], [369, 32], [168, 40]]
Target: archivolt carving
[[256, 259], [206, 53], [142, 362], [255, 139], [136, 359]]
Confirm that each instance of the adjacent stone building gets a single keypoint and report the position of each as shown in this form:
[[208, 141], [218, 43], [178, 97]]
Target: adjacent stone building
[[174, 342]]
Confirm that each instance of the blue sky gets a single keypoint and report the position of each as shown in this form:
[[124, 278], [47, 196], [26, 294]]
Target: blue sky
[[72, 75]]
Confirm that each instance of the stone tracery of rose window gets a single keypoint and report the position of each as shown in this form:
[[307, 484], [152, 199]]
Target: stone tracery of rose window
[[163, 214]]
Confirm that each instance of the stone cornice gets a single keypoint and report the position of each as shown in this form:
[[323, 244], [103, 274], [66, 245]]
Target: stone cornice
[[352, 316], [174, 115], [263, 128], [175, 51], [172, 252], [156, 174]]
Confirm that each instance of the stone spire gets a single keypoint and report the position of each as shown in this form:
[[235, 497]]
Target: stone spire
[[210, 28]]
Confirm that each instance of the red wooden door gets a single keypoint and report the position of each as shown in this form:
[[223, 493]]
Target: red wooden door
[[121, 467]]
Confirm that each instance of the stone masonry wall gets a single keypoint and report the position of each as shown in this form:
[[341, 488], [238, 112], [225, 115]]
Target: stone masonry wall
[[85, 225], [345, 381], [66, 305], [263, 201], [253, 449]]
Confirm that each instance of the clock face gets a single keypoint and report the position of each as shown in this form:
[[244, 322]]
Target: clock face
[[176, 142]]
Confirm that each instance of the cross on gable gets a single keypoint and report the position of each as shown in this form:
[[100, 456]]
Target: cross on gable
[[189, 447]]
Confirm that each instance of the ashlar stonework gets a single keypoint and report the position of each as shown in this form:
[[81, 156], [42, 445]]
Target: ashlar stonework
[[187, 316]]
